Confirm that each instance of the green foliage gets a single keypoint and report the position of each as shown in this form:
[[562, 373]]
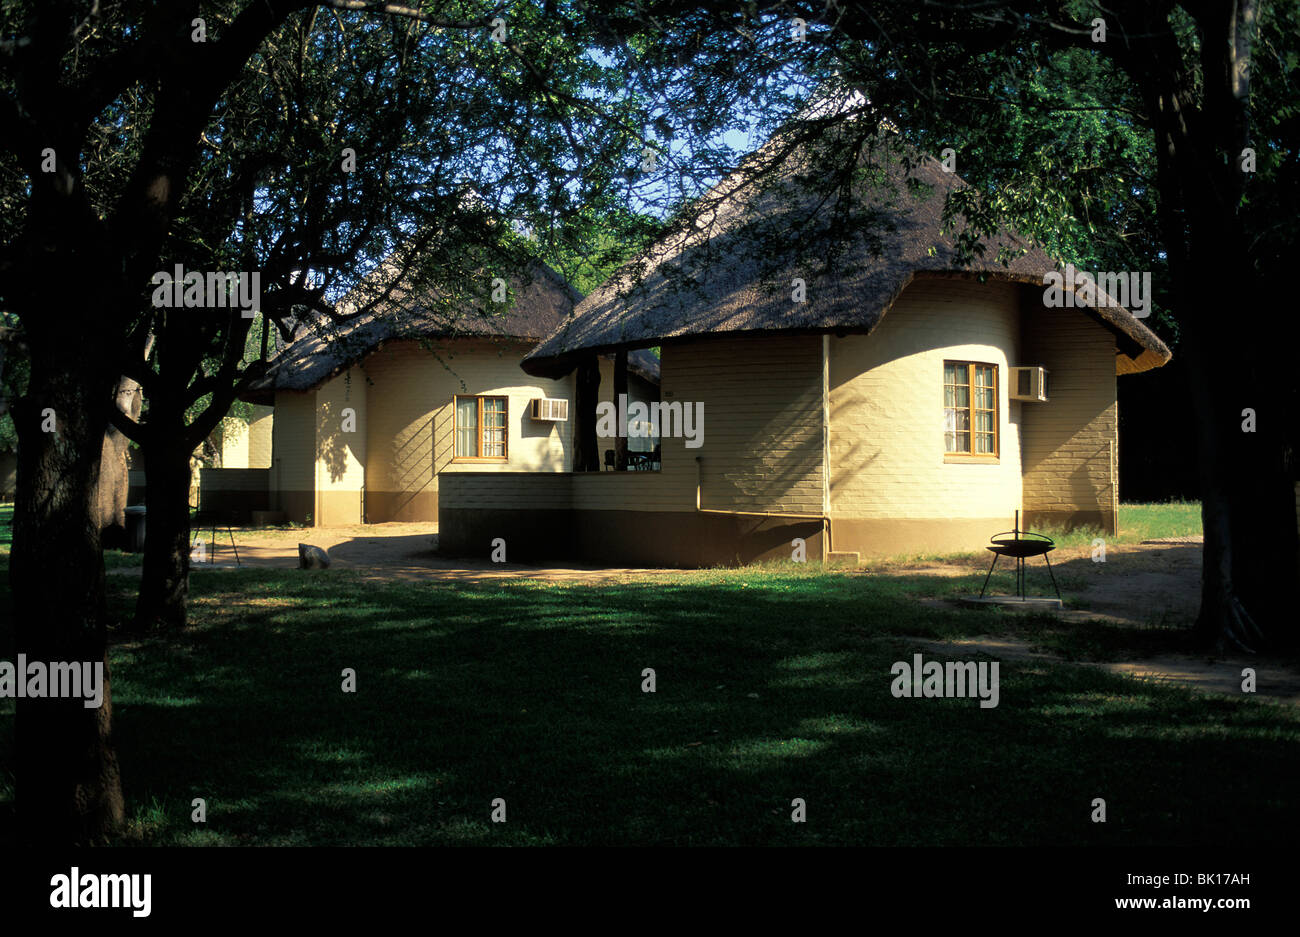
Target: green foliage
[[594, 245]]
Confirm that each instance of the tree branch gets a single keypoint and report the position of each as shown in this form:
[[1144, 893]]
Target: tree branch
[[396, 9]]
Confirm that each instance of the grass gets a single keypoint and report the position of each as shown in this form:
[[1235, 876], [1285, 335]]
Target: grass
[[1137, 522], [113, 559], [772, 683]]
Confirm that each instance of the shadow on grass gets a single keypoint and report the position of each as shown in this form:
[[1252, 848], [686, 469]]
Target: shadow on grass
[[769, 686]]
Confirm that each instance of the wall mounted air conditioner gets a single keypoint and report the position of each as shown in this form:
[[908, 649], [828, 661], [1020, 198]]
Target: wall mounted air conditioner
[[1029, 384], [550, 409]]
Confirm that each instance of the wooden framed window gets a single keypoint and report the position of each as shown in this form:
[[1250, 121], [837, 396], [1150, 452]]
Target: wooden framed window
[[480, 429], [970, 411]]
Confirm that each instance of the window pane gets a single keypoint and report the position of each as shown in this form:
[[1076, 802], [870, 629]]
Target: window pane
[[963, 420], [494, 427], [466, 426], [984, 377], [984, 398], [984, 443], [950, 374], [984, 421], [949, 442], [963, 442]]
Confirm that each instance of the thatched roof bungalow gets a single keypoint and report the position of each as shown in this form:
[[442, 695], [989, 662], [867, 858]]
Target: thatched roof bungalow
[[370, 413], [864, 388]]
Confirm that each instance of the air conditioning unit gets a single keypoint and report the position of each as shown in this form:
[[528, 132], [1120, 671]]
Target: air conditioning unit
[[1029, 384], [550, 409]]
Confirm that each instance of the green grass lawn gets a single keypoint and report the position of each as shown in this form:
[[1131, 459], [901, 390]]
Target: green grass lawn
[[1137, 522], [772, 684]]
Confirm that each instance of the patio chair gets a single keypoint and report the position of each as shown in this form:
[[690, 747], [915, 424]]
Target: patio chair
[[1020, 545]]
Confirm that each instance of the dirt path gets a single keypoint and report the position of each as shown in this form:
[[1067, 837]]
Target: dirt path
[[387, 552], [1153, 584], [1273, 682]]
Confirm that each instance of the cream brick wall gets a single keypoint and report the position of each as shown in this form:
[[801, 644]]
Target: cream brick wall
[[762, 440], [340, 454], [294, 435], [232, 436], [1071, 442], [410, 420], [402, 397], [260, 430], [247, 445], [886, 402]]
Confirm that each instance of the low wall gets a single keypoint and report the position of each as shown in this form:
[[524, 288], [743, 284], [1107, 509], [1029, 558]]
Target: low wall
[[237, 492], [533, 513]]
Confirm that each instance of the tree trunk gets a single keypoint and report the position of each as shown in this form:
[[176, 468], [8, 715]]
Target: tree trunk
[[1249, 561], [1247, 503], [1239, 395], [165, 585], [68, 789], [114, 472]]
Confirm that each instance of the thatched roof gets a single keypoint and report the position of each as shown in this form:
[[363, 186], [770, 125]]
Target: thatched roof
[[731, 269], [644, 362], [325, 348]]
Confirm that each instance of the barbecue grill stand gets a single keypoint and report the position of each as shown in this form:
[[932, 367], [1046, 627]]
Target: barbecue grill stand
[[1021, 545]]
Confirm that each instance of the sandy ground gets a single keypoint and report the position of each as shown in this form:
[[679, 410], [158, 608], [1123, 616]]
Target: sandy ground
[[394, 551], [1146, 584], [1155, 583], [1220, 675]]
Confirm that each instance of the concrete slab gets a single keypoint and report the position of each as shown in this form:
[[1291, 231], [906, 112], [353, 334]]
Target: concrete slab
[[1033, 603]]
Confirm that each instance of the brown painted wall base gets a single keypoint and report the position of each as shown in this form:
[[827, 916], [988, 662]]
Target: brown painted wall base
[[881, 537], [899, 536], [632, 538], [688, 540], [338, 508], [405, 506], [298, 506]]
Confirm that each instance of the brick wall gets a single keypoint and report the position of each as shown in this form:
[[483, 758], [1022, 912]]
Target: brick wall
[[886, 400], [762, 431], [411, 420], [1071, 443], [293, 469]]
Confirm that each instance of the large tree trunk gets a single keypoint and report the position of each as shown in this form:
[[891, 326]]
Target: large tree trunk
[[1251, 555], [165, 586], [1244, 424], [68, 788], [114, 474], [1250, 561]]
